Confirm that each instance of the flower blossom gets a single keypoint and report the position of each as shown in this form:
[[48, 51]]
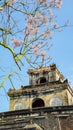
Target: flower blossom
[[36, 49], [51, 15], [48, 34], [42, 1], [12, 1], [31, 19], [39, 15], [60, 2], [51, 3], [35, 30], [43, 53], [55, 1], [45, 19], [17, 42], [29, 27]]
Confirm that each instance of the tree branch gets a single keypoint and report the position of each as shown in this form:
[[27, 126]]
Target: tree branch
[[16, 59]]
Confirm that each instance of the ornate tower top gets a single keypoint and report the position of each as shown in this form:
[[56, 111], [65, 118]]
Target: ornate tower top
[[47, 88], [44, 75]]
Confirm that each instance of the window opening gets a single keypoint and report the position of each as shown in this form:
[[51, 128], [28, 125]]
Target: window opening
[[42, 80], [38, 103]]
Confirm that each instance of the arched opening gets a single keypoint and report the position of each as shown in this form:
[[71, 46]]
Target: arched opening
[[42, 80], [38, 103]]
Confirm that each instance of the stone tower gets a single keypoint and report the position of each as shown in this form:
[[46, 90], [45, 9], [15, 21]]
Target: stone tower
[[45, 104], [47, 88]]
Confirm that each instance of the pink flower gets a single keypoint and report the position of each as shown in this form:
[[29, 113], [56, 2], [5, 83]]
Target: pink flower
[[50, 11], [36, 49], [39, 15], [31, 19], [45, 19], [51, 3], [51, 15], [12, 1], [35, 30], [58, 6], [55, 1], [60, 2], [43, 2], [29, 27], [17, 42], [43, 53], [48, 34]]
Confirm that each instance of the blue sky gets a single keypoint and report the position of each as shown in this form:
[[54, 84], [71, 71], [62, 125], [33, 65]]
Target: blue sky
[[61, 52]]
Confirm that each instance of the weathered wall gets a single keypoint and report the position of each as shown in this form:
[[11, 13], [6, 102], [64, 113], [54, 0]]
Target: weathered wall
[[45, 97], [70, 98]]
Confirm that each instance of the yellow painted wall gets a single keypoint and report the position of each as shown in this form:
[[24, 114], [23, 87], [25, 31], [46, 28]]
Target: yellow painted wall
[[64, 95]]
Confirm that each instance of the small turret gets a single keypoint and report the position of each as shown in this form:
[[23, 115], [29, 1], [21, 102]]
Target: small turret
[[45, 75]]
